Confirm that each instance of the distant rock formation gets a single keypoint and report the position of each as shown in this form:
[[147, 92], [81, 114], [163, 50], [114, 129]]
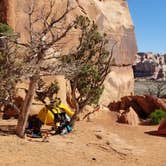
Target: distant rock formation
[[150, 65], [112, 17]]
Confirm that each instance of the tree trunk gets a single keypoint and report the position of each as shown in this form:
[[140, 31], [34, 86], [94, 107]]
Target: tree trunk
[[23, 116], [75, 116]]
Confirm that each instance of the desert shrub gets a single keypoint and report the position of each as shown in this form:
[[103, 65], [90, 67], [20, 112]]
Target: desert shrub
[[5, 29], [157, 88], [11, 65], [93, 63], [157, 116]]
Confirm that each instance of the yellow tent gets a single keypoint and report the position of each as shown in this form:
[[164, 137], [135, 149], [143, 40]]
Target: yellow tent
[[47, 116]]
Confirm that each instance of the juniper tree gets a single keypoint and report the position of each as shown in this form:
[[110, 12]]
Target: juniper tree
[[53, 28], [93, 63], [11, 65]]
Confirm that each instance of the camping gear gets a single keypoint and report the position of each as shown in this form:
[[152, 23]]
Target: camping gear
[[66, 130], [64, 124], [58, 117], [34, 126], [47, 116], [66, 109], [162, 127]]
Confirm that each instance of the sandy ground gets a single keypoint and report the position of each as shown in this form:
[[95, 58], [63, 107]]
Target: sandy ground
[[101, 142]]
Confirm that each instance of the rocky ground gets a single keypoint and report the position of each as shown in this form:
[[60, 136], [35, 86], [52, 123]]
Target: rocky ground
[[100, 142]]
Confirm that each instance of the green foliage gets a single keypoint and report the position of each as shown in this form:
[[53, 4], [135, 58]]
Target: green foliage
[[88, 78], [5, 29], [10, 70], [157, 116], [92, 62]]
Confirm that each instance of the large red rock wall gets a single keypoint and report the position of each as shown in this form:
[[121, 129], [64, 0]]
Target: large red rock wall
[[112, 17]]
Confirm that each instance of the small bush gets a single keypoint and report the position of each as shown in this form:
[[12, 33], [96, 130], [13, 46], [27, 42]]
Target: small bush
[[5, 29], [157, 116]]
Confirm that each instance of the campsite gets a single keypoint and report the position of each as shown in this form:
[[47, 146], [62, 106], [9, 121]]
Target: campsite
[[82, 82], [98, 142]]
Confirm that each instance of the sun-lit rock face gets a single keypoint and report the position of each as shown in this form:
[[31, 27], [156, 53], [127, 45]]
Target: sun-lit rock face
[[112, 17]]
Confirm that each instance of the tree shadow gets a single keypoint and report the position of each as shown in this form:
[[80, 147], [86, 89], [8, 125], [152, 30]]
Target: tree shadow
[[147, 122], [7, 130], [155, 133]]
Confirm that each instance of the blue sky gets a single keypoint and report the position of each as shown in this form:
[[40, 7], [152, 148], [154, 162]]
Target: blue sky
[[149, 17]]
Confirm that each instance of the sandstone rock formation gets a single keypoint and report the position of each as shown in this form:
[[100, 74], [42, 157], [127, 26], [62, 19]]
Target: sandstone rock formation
[[142, 105], [128, 117], [112, 17], [151, 65]]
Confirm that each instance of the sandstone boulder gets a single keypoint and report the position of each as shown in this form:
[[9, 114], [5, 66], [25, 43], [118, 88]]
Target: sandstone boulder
[[126, 102], [146, 106], [142, 105], [115, 106], [129, 117], [161, 103]]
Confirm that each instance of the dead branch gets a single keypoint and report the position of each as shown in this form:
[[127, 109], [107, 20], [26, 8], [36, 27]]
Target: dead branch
[[91, 112]]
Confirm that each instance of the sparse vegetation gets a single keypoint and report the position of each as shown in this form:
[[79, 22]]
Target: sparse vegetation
[[11, 65], [93, 63], [5, 29], [158, 89], [157, 116], [151, 87], [53, 29]]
